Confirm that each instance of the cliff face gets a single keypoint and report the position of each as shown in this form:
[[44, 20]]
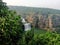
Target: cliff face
[[45, 22]]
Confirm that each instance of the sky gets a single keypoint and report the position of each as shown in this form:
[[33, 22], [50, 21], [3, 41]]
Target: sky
[[55, 4]]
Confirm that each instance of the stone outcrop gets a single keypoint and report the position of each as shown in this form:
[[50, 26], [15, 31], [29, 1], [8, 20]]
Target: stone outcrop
[[44, 21]]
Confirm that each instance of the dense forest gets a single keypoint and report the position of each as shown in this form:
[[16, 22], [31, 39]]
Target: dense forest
[[24, 9]]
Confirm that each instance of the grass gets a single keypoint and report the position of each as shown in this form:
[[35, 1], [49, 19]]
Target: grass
[[39, 31]]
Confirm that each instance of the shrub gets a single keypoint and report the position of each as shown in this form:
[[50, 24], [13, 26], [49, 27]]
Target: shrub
[[11, 30], [49, 38]]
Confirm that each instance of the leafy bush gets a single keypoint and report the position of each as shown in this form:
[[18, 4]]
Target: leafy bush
[[11, 30], [49, 38]]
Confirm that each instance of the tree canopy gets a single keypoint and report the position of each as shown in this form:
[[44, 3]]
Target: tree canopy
[[11, 30]]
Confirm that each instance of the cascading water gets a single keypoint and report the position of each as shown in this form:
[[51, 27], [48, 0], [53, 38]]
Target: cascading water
[[27, 26]]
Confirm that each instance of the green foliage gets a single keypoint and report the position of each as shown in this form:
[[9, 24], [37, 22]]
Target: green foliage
[[48, 38], [29, 36], [11, 30], [3, 9]]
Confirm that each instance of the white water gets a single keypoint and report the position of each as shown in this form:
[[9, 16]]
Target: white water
[[27, 26]]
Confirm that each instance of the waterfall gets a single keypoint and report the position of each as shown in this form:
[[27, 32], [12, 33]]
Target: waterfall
[[27, 26]]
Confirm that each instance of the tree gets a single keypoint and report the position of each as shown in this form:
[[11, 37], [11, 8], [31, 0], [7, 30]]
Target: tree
[[3, 9], [11, 30]]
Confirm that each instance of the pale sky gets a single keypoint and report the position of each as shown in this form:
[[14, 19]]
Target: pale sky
[[35, 3]]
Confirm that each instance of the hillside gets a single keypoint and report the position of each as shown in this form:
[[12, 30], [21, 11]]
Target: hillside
[[39, 17], [26, 10]]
